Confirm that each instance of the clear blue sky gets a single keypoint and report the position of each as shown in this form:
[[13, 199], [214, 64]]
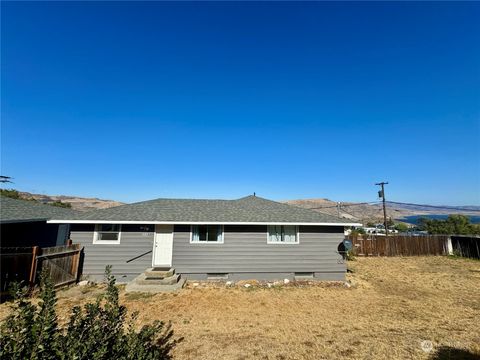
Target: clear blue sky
[[133, 101]]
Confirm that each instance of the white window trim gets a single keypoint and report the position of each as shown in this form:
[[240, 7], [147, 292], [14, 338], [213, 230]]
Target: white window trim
[[206, 242], [106, 242], [282, 242]]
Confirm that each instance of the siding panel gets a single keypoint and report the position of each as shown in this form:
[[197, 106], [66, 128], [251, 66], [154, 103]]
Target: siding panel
[[245, 249], [131, 257]]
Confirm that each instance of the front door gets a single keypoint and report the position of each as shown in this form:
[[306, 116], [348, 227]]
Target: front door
[[163, 246]]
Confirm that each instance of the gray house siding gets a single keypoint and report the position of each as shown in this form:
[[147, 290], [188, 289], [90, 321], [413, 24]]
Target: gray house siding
[[246, 254], [128, 259]]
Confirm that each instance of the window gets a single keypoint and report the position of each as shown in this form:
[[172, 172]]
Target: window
[[282, 234], [107, 234], [206, 234]]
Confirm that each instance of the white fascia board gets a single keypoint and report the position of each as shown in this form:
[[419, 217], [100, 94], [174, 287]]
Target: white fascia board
[[197, 222], [22, 221]]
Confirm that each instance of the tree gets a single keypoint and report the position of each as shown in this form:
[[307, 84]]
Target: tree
[[5, 179], [401, 227], [453, 225]]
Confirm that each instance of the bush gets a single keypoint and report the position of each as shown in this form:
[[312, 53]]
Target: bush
[[60, 204], [350, 255], [359, 231], [11, 193], [401, 227], [14, 194], [98, 331]]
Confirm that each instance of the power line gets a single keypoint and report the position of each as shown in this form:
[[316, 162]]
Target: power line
[[343, 205], [435, 206], [345, 211]]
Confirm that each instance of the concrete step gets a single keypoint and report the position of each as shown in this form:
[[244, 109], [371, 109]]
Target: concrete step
[[135, 287], [159, 273], [143, 280]]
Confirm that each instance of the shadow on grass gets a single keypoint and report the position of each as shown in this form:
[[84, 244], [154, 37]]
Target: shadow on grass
[[450, 353]]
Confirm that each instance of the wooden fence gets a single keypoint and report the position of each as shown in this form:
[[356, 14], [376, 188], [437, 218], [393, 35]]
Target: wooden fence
[[466, 246], [18, 264], [61, 263], [399, 245]]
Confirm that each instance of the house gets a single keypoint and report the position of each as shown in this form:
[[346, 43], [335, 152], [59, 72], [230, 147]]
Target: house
[[246, 238], [24, 223]]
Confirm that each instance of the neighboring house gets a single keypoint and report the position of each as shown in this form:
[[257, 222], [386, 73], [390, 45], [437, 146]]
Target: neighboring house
[[377, 230], [24, 223], [210, 239]]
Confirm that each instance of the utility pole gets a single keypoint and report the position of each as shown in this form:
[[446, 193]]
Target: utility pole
[[381, 194]]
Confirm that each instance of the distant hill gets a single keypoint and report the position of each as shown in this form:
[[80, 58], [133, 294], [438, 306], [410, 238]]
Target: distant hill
[[374, 213], [78, 203]]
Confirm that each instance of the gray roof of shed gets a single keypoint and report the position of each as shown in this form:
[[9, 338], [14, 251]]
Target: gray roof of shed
[[13, 210], [250, 209]]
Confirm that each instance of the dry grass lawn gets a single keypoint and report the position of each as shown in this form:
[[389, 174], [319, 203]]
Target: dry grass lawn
[[393, 305]]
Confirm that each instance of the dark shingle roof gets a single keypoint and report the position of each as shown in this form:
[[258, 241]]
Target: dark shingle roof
[[250, 209], [13, 210]]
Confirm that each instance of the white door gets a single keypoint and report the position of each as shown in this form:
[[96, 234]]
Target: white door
[[163, 246]]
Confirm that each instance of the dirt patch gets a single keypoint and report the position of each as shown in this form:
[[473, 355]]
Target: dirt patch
[[393, 305]]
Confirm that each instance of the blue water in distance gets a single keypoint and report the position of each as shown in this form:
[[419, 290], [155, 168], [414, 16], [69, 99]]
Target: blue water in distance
[[413, 219]]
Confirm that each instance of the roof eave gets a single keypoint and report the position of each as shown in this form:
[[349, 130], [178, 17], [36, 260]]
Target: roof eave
[[15, 221], [203, 222]]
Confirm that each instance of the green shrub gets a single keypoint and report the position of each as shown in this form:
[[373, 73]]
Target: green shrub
[[98, 331], [350, 255], [14, 194], [401, 227], [356, 232], [61, 204]]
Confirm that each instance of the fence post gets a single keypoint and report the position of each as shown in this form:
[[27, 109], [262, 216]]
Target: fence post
[[77, 263], [449, 246], [33, 266]]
